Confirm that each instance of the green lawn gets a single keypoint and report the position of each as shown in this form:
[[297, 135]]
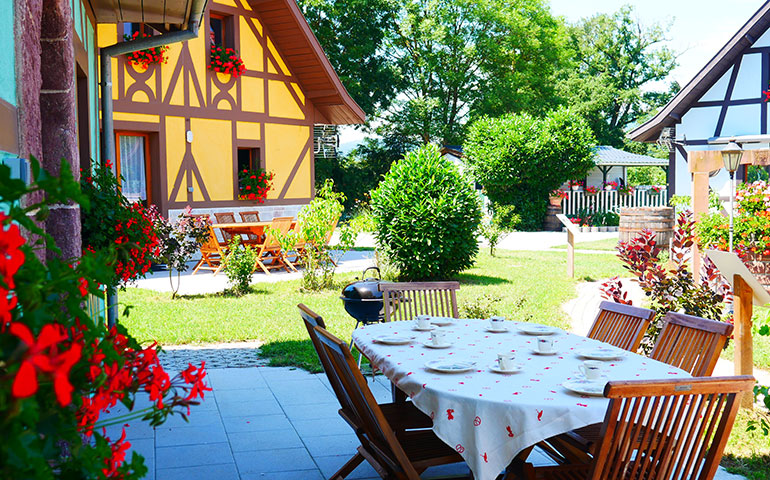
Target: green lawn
[[607, 245]]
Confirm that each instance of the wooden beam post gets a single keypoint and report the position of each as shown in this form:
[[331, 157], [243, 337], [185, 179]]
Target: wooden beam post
[[700, 207], [744, 350], [570, 253]]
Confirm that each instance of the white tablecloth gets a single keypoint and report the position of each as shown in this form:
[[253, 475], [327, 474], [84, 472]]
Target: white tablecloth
[[488, 417]]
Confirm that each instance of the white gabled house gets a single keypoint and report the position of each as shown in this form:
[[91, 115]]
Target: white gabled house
[[724, 100]]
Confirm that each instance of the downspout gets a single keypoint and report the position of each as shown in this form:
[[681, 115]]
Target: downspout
[[197, 8]]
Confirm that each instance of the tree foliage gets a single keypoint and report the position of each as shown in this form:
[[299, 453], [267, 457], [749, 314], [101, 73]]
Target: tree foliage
[[519, 159], [427, 216], [614, 58]]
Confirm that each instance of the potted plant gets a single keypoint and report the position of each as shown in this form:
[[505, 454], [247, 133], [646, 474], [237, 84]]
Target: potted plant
[[557, 196], [575, 185], [148, 56], [226, 60], [592, 190], [626, 190], [608, 186], [654, 190], [254, 184]]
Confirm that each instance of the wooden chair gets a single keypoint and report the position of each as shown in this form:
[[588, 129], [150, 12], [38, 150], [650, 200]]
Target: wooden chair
[[660, 430], [294, 257], [687, 342], [404, 301], [621, 325], [691, 343], [393, 455], [253, 217], [225, 217], [270, 249], [213, 254], [400, 416]]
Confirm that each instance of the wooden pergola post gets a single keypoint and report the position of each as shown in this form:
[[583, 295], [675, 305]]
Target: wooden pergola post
[[571, 232], [743, 308]]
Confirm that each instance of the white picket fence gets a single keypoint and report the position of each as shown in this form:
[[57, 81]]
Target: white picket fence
[[610, 201]]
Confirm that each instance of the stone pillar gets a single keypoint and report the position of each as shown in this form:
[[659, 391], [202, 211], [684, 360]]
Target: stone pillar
[[59, 117]]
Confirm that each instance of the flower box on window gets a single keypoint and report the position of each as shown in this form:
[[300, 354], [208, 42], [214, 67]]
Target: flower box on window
[[226, 60], [149, 56], [254, 184]]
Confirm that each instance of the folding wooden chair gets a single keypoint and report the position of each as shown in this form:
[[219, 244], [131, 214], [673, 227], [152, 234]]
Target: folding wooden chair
[[401, 416], [403, 455], [404, 301], [691, 343], [270, 255], [298, 250], [252, 217], [213, 254], [621, 325], [225, 217], [660, 430]]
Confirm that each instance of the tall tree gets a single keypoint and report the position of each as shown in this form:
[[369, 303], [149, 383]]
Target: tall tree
[[615, 59], [464, 58], [352, 33]]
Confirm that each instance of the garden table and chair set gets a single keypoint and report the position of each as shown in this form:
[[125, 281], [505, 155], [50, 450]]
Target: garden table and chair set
[[255, 234], [488, 391]]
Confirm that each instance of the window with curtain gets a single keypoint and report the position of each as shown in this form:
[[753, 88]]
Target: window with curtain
[[132, 167]]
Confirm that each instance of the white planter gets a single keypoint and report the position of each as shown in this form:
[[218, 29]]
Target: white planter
[[585, 229], [594, 229], [575, 188], [604, 229]]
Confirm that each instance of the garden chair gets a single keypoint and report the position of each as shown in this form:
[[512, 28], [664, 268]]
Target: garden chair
[[252, 217], [660, 430], [404, 301], [400, 416], [621, 325], [225, 217], [687, 342], [270, 256], [213, 254], [394, 455], [691, 343], [294, 257]]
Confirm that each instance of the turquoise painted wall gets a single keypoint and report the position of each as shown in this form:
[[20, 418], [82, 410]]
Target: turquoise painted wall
[[86, 32], [8, 58]]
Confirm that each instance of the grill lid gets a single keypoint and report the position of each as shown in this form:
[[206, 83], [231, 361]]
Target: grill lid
[[365, 289]]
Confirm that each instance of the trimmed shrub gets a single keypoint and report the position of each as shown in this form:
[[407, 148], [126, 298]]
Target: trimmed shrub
[[427, 216]]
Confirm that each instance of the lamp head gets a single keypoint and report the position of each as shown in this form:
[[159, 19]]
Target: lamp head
[[731, 156]]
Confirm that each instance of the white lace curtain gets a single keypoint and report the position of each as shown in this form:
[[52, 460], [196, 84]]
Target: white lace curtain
[[132, 167]]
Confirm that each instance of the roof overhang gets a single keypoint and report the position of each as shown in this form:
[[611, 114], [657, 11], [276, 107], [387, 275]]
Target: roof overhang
[[674, 110], [302, 52], [164, 12]]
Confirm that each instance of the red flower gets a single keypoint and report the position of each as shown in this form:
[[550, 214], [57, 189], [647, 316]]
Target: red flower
[[83, 286]]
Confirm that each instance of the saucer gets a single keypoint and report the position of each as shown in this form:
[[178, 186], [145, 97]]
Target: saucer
[[594, 388], [442, 321], [602, 353], [496, 330], [426, 329], [538, 352], [496, 368], [430, 344]]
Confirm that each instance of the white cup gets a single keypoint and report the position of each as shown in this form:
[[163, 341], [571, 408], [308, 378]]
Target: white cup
[[505, 360], [423, 322], [591, 369], [545, 344], [497, 323], [438, 337]]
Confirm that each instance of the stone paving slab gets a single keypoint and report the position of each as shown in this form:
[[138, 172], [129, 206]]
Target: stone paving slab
[[249, 428]]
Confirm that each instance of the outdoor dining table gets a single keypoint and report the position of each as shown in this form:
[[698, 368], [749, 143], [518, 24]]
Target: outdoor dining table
[[244, 228], [488, 417]]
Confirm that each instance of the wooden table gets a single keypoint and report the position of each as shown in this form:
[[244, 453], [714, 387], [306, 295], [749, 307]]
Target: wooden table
[[244, 228]]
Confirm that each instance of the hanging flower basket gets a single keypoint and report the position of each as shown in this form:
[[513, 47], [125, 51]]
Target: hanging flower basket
[[575, 185], [626, 190], [254, 184], [654, 190], [226, 60], [609, 186], [149, 56], [591, 190]]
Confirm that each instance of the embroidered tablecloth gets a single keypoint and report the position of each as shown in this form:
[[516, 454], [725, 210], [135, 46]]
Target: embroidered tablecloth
[[489, 417]]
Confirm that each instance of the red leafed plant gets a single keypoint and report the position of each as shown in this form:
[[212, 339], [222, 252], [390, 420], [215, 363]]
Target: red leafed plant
[[254, 184], [226, 60], [148, 56], [670, 287], [60, 369]]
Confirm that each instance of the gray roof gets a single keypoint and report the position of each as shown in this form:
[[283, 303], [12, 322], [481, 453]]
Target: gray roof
[[610, 156]]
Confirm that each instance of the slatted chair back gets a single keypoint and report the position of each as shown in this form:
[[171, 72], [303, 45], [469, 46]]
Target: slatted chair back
[[225, 217], [378, 438], [212, 253], [621, 325], [667, 429], [282, 224], [270, 256], [252, 217], [404, 301], [691, 343]]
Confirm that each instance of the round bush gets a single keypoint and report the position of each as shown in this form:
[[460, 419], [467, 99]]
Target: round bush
[[427, 216]]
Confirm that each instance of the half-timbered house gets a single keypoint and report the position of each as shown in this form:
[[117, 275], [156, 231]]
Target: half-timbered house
[[184, 131], [726, 99]]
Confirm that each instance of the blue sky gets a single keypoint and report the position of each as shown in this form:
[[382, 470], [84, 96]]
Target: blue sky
[[699, 28]]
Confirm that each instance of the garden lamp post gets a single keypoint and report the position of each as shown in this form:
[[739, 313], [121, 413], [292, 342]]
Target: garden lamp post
[[731, 156]]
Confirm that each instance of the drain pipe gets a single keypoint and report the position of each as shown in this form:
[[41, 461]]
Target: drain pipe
[[197, 8]]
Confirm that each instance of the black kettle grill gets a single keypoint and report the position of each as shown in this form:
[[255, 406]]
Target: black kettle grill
[[363, 299]]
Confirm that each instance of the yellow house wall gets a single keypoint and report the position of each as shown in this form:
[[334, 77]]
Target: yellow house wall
[[273, 112]]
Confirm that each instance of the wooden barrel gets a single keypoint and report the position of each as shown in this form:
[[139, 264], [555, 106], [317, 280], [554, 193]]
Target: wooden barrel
[[551, 223], [658, 219]]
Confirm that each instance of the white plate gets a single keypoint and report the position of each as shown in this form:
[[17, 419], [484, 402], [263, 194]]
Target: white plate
[[594, 388], [496, 368], [428, 329], [442, 321], [393, 340], [538, 352], [602, 353], [537, 329], [496, 330], [430, 344], [448, 366]]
